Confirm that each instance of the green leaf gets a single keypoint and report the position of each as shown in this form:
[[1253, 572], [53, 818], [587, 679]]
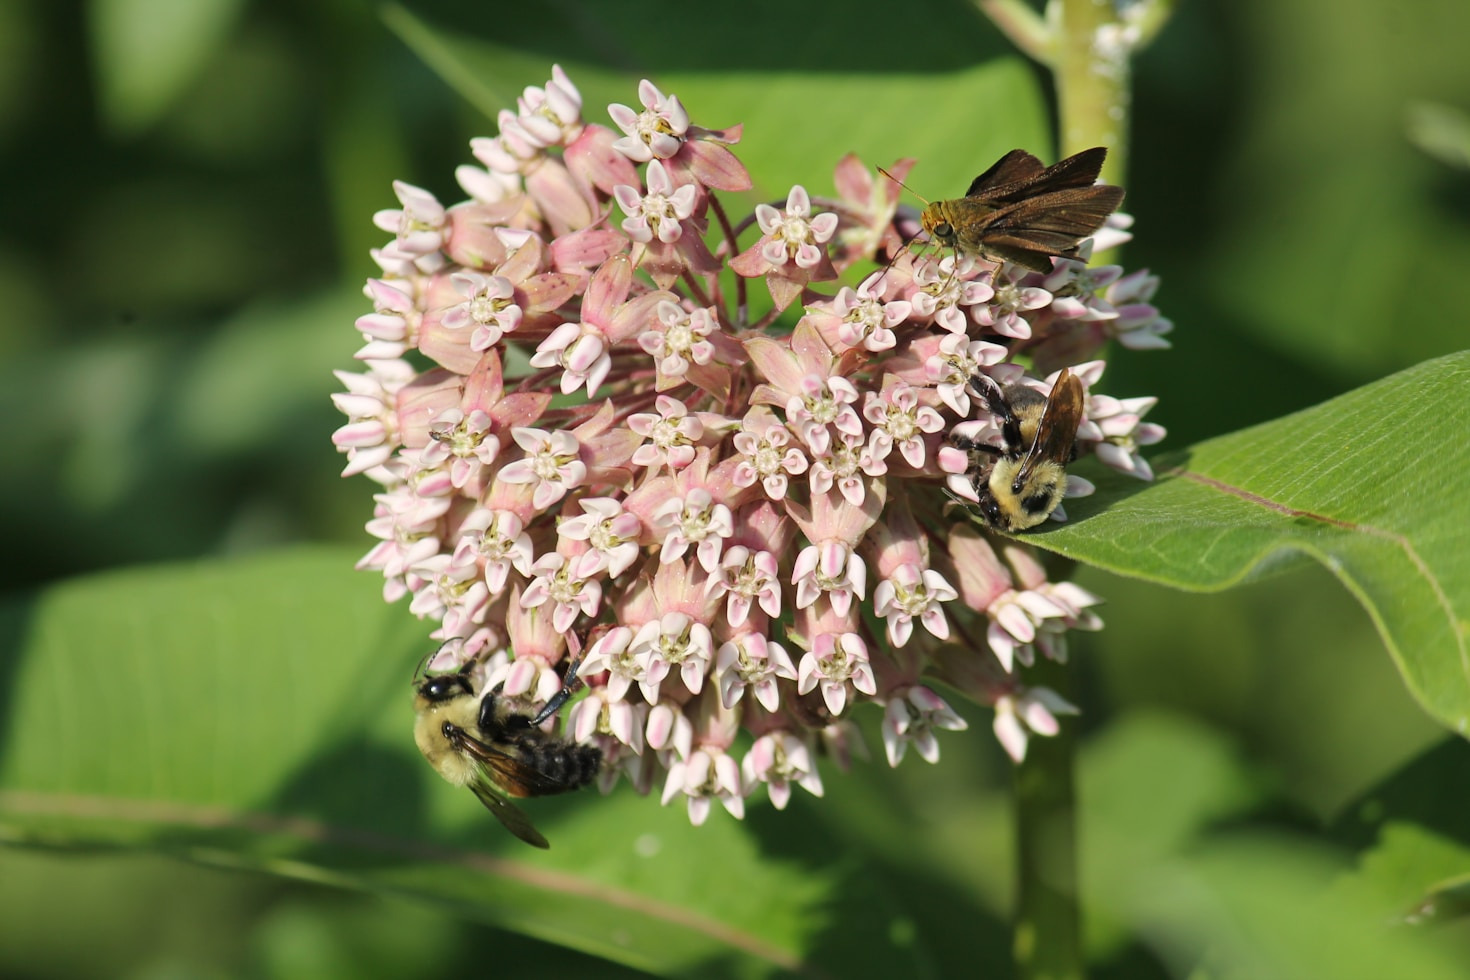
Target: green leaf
[[1412, 838], [1177, 857], [256, 714], [798, 123], [149, 52], [1371, 484]]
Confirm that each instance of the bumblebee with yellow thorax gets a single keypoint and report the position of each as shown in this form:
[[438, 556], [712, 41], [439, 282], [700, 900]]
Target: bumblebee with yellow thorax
[[498, 753], [1023, 482]]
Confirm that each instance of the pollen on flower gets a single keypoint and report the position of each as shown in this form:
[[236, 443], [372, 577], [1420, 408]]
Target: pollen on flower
[[587, 446], [657, 131], [794, 234], [678, 339], [765, 455], [489, 306]]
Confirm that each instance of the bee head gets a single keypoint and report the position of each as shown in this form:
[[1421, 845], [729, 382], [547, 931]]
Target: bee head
[[444, 687], [991, 511], [1014, 500]]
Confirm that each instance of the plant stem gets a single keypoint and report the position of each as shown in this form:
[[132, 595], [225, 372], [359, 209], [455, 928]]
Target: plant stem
[[1087, 45], [1047, 941], [1021, 25], [1090, 63], [1089, 56]]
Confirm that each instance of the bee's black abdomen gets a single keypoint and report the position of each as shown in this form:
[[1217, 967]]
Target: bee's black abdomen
[[566, 764], [583, 764]]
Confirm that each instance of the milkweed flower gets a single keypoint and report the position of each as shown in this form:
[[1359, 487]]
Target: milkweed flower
[[736, 518]]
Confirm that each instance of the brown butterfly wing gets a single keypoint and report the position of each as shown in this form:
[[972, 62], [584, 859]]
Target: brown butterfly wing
[[1015, 168], [1070, 214], [1050, 224], [1019, 175], [1078, 170]]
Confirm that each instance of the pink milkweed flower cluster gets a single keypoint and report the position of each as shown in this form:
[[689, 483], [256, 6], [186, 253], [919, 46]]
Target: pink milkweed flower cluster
[[591, 440]]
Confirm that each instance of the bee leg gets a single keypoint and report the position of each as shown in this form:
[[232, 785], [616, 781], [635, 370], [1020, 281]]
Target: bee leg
[[984, 386], [975, 445], [995, 399], [488, 703], [570, 686]]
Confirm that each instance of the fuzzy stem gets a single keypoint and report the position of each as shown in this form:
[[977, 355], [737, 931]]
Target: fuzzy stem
[[1089, 58], [1047, 942], [1091, 67], [1021, 25]]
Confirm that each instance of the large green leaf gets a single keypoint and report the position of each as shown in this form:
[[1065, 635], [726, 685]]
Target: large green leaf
[[1371, 484], [798, 121], [256, 714]]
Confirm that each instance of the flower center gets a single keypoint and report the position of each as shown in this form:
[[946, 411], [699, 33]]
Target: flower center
[[695, 524], [868, 316], [460, 440], [793, 231], [747, 581], [901, 425], [912, 600], [602, 538], [823, 407], [485, 309], [651, 124], [565, 589], [665, 434], [679, 337], [837, 667], [767, 459], [675, 649], [845, 458]]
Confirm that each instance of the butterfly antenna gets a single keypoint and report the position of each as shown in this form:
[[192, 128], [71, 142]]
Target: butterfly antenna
[[907, 245], [903, 185]]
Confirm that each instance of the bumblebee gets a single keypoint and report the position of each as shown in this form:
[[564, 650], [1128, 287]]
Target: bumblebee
[[1020, 484], [498, 753]]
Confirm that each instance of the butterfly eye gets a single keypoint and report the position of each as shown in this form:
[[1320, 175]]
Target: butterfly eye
[[943, 230]]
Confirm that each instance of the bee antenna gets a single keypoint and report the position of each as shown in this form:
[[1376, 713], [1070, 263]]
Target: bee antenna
[[423, 667]]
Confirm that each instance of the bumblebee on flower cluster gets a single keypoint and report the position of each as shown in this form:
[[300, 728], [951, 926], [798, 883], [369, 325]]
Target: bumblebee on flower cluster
[[1020, 484], [479, 742]]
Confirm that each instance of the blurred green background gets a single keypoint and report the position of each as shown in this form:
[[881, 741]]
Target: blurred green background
[[182, 248]]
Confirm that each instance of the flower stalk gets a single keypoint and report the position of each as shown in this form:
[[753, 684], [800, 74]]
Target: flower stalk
[[1088, 46]]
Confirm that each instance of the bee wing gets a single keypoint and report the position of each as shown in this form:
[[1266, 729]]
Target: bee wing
[[1057, 430], [512, 816], [1016, 167], [510, 773], [499, 775]]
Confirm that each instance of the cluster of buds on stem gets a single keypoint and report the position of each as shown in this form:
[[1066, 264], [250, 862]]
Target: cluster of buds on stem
[[591, 435]]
